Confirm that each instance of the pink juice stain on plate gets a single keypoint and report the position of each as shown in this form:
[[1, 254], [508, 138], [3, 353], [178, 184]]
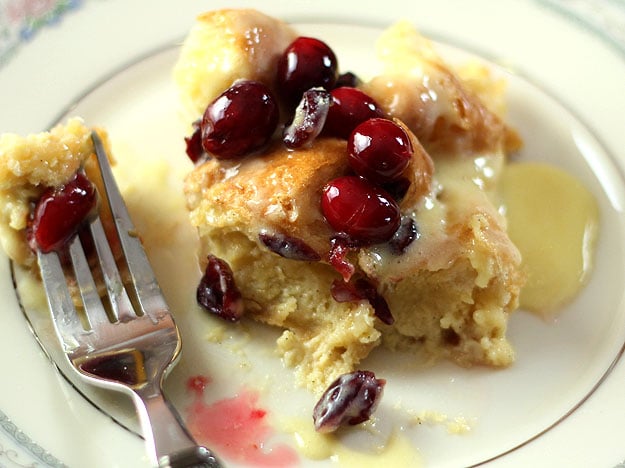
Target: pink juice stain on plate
[[236, 428]]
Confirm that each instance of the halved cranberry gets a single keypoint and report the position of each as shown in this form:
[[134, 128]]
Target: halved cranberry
[[241, 120], [379, 150], [346, 292], [60, 212], [289, 247], [405, 235], [350, 107], [193, 143], [218, 292], [379, 304], [340, 246], [360, 290], [306, 63], [365, 212], [309, 119], [351, 399]]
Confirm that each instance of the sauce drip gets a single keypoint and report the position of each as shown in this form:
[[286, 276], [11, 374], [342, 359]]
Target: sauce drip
[[391, 451], [553, 220], [236, 428]]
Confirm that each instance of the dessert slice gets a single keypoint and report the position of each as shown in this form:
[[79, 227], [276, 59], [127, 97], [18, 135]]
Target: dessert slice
[[444, 283]]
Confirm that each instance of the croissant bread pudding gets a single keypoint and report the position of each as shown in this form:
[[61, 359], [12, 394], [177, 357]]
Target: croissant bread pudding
[[349, 213]]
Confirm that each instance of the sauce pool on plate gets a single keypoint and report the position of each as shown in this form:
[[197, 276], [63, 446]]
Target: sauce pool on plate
[[553, 220]]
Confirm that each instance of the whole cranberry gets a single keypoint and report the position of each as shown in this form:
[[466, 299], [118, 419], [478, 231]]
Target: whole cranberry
[[350, 107], [349, 400], [306, 63], [60, 212], [241, 120], [217, 291], [363, 211], [379, 150]]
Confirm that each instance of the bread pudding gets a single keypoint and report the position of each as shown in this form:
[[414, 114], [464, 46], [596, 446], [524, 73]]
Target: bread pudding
[[443, 279]]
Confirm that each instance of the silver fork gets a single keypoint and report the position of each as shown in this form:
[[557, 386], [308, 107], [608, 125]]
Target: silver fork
[[127, 345]]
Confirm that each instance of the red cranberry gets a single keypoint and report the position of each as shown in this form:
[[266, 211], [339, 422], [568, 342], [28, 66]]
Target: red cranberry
[[361, 210], [193, 143], [347, 79], [289, 247], [350, 107], [405, 235], [398, 188], [360, 290], [217, 291], [310, 116], [60, 212], [241, 120], [351, 399], [346, 292], [306, 63], [340, 246], [379, 150]]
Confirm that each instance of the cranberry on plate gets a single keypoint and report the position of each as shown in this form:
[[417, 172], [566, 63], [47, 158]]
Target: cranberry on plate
[[349, 400]]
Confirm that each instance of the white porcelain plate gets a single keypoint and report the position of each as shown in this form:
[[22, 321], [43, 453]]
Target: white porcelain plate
[[562, 393]]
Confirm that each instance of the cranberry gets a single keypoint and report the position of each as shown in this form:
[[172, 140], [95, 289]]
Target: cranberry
[[310, 116], [346, 292], [379, 150], [404, 236], [289, 247], [241, 120], [60, 212], [193, 143], [349, 400], [361, 210], [350, 107], [347, 79], [340, 246], [398, 188], [306, 63], [360, 290], [217, 291]]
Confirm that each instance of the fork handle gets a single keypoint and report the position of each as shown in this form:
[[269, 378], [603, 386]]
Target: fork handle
[[167, 439]]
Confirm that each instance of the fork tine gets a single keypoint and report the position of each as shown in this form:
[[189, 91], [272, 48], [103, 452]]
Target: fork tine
[[120, 302], [66, 319], [148, 291], [94, 310]]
